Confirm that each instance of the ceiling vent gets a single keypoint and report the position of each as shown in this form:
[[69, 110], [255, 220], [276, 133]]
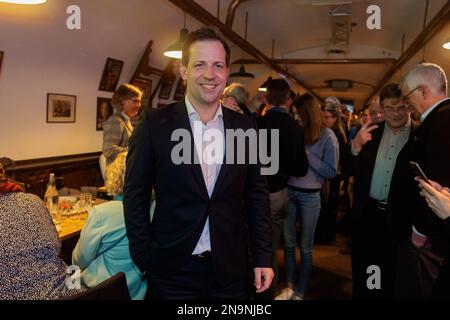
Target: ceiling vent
[[339, 84]]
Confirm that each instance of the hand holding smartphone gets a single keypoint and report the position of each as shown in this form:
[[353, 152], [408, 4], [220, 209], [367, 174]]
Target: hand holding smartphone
[[418, 171]]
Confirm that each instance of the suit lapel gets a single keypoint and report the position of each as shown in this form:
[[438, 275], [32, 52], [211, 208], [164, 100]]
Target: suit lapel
[[126, 123], [181, 120]]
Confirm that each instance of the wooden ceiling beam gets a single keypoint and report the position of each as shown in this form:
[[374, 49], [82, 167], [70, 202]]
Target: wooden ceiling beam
[[319, 61], [198, 12], [231, 12]]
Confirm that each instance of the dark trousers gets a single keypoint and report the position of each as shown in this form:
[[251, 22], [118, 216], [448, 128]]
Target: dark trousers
[[195, 281], [373, 245], [417, 270]]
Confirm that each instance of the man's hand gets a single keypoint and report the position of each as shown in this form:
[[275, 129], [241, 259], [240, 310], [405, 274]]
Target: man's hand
[[363, 136], [263, 279], [437, 197], [232, 104], [417, 240]]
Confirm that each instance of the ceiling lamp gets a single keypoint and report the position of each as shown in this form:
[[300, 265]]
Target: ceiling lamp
[[446, 44], [263, 87], [242, 73], [24, 1], [176, 50]]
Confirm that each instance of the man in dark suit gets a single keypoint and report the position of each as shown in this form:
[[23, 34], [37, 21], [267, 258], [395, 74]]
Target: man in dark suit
[[195, 247], [377, 160], [425, 89]]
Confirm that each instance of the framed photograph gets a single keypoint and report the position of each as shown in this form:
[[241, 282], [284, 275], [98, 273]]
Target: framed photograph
[[180, 91], [1, 59], [166, 88], [104, 111], [146, 87], [111, 75], [61, 108]]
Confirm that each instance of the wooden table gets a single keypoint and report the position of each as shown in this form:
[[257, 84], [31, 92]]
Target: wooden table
[[71, 227]]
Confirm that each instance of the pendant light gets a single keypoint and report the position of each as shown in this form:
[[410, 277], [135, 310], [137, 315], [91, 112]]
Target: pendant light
[[242, 73], [176, 50], [446, 44], [24, 1]]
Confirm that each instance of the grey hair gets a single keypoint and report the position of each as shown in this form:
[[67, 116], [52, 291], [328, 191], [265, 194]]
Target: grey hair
[[426, 74], [237, 91]]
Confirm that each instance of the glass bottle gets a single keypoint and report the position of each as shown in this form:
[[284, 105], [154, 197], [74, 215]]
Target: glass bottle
[[51, 193]]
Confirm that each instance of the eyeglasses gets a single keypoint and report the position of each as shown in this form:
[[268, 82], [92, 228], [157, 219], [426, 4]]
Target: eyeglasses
[[392, 110], [406, 96]]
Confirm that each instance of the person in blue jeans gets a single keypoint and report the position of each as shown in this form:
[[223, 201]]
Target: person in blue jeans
[[322, 149]]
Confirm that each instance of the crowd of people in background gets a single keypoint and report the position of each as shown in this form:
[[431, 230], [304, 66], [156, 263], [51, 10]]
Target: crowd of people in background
[[216, 228]]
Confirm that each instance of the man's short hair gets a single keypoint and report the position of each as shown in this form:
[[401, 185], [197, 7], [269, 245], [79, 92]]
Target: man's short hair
[[426, 74], [390, 91], [206, 33], [278, 92]]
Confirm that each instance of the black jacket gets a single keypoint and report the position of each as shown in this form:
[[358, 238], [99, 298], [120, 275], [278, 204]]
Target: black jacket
[[292, 155], [182, 203], [432, 152], [362, 169]]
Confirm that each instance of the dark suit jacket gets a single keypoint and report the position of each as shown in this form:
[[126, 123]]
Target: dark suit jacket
[[432, 152], [362, 169], [292, 154], [183, 205]]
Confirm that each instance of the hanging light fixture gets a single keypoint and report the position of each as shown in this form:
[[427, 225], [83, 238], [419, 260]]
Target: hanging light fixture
[[176, 50], [263, 87], [446, 44], [24, 1], [242, 73]]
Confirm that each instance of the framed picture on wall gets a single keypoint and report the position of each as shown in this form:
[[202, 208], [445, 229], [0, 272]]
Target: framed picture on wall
[[180, 91], [166, 88], [146, 87], [111, 75], [61, 108], [1, 59], [104, 111]]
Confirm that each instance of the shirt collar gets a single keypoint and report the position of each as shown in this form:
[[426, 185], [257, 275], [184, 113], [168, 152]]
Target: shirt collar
[[426, 113], [192, 113], [278, 109]]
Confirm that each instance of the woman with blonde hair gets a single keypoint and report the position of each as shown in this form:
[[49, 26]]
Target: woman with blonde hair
[[304, 195], [126, 102], [102, 249]]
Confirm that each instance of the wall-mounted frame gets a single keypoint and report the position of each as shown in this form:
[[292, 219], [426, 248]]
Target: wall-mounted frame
[[180, 91], [146, 88], [111, 75], [104, 111], [1, 59], [166, 88], [61, 108]]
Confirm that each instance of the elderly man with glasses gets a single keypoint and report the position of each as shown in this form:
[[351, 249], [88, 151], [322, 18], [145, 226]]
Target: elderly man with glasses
[[378, 158], [424, 88]]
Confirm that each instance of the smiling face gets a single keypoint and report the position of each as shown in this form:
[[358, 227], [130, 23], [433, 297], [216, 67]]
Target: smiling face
[[206, 73], [395, 112], [131, 106]]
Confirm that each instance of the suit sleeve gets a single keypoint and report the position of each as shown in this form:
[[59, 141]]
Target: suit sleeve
[[256, 201], [112, 136], [137, 193]]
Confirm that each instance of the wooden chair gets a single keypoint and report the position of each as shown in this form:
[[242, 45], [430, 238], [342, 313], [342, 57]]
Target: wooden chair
[[114, 288]]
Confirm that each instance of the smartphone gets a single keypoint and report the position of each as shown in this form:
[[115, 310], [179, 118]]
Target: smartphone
[[418, 171]]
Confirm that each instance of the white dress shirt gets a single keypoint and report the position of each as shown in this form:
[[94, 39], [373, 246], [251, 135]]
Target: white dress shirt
[[210, 169]]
